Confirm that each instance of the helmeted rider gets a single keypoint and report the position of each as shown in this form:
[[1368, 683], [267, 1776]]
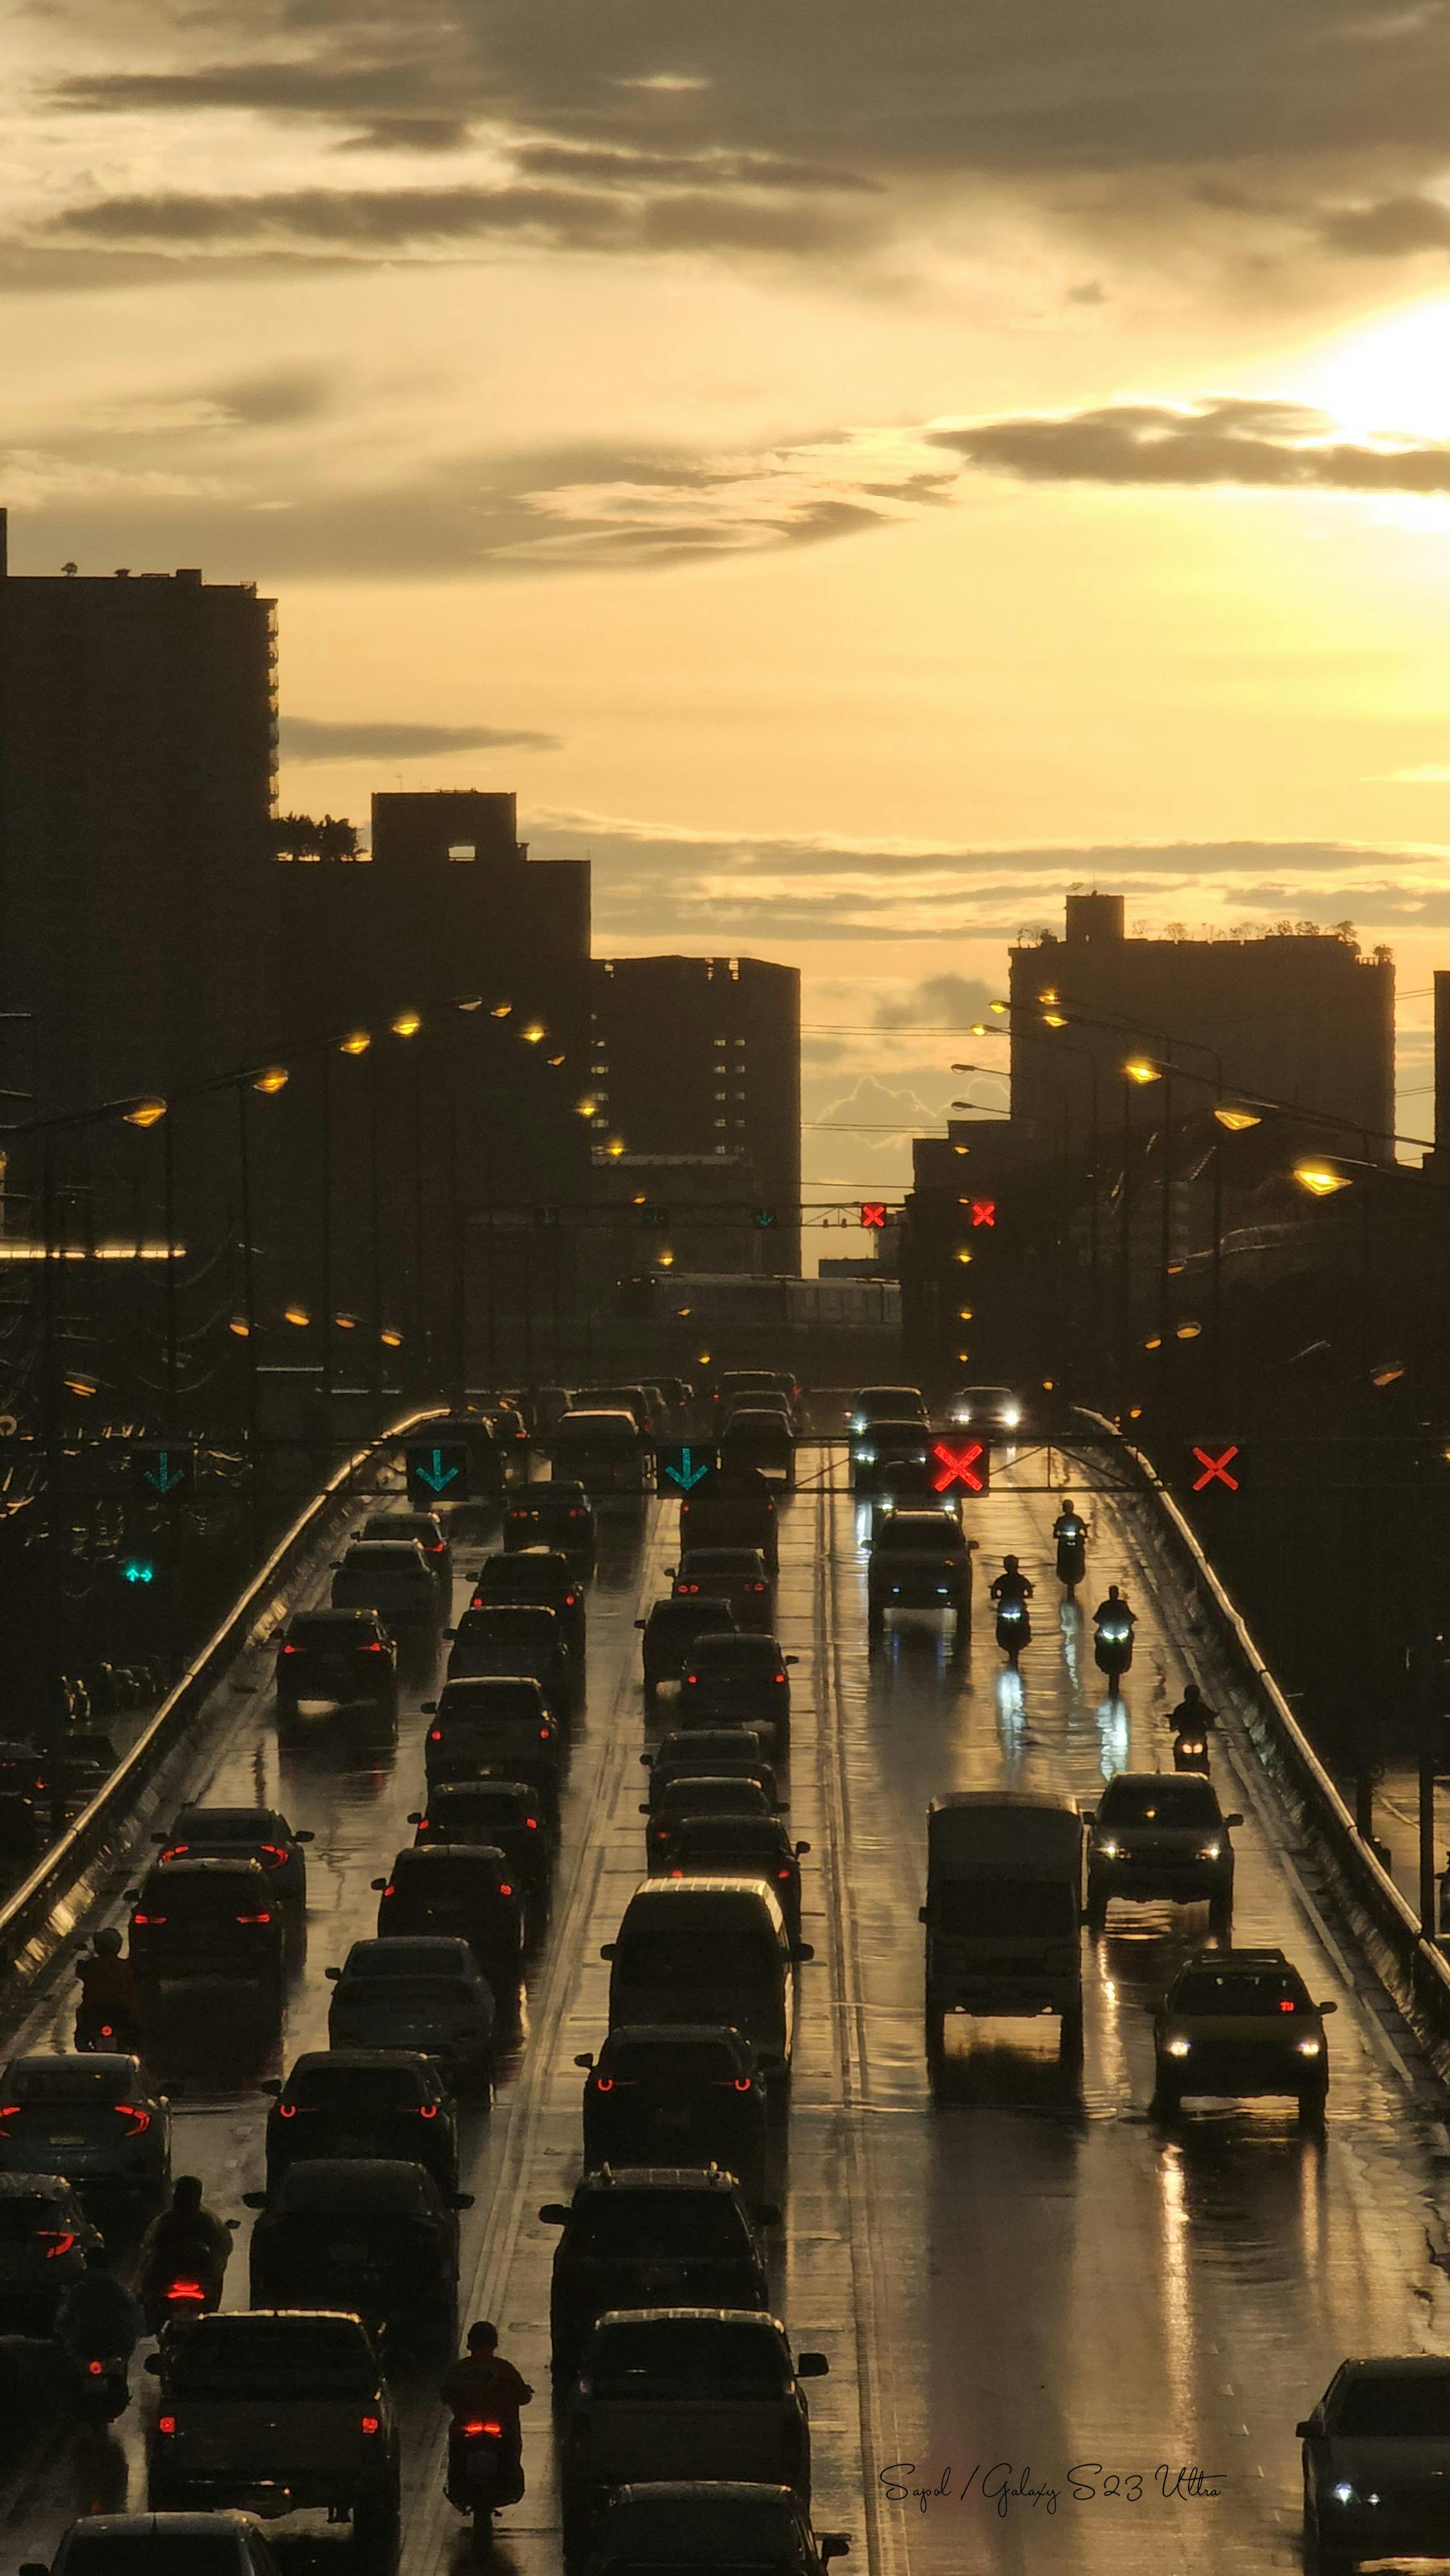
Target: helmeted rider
[[1069, 1523], [482, 2385], [1011, 1584], [185, 2236], [98, 2319], [1192, 1716], [1114, 1608]]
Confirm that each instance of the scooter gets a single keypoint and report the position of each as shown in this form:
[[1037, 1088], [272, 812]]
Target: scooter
[[98, 2029], [1113, 1646], [1072, 1560], [100, 2382], [480, 2480], [1190, 1750], [1014, 1629]]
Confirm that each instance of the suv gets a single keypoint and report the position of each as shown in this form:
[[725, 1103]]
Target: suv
[[426, 1530], [741, 1679], [880, 1444], [542, 1574], [734, 1574], [643, 2233], [669, 1633], [509, 1814], [394, 1578], [498, 1722], [429, 1995], [712, 1752], [757, 1436], [513, 1637], [207, 1931], [343, 1656], [920, 1561], [372, 2236], [1240, 2022], [691, 2092], [387, 2102], [261, 1834], [1160, 1836], [720, 2526], [558, 1514], [264, 2401], [160, 2544]]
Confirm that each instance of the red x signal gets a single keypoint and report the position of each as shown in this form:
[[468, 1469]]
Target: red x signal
[[984, 1211], [969, 1466], [873, 1215], [1214, 1466]]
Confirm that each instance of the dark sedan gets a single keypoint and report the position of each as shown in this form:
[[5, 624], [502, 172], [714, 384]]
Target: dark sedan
[[96, 2119], [677, 2093], [378, 2239], [371, 2102], [256, 1833]]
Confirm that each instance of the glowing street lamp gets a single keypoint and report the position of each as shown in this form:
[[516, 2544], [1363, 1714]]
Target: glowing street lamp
[[1237, 1117], [273, 1080], [407, 1024], [144, 1113], [1138, 1069], [356, 1042], [1321, 1180]]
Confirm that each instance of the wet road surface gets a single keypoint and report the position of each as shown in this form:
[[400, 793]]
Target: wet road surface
[[1030, 2280]]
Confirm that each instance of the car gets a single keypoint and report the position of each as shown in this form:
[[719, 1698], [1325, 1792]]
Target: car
[[634, 1400], [97, 2119], [696, 1794], [207, 1932], [734, 1507], [720, 1752], [1160, 1837], [682, 2393], [290, 2403], [426, 1530], [543, 1574], [734, 1845], [458, 1888], [1240, 2022], [762, 1400], [920, 1560], [45, 2236], [494, 1722], [910, 1485], [387, 2102], [885, 1404], [160, 2544], [605, 1449], [510, 1814], [988, 1408], [1377, 2464], [718, 2526], [368, 2234], [741, 1678], [690, 2093], [734, 1574], [558, 1514], [344, 1658], [263, 1833], [87, 1760], [737, 1386], [426, 1994], [709, 1949], [670, 1631], [394, 1578], [648, 2235], [493, 1453], [759, 1437], [881, 1444], [24, 1773], [513, 1637]]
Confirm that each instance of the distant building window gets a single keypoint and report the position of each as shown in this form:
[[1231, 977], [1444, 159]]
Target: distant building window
[[463, 849], [722, 1122]]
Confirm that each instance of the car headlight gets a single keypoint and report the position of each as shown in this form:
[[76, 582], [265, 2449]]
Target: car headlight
[[1344, 2492], [865, 1457], [1011, 1416], [1209, 1851], [1110, 1851], [1307, 2047], [1179, 2047]]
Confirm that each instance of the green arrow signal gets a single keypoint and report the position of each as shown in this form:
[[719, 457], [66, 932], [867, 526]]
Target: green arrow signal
[[436, 1475], [163, 1475], [687, 1473]]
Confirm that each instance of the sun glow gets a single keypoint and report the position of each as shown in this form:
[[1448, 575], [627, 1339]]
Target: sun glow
[[1393, 377]]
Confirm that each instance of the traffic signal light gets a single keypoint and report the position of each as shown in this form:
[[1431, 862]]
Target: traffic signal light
[[680, 1465], [162, 1467], [873, 1216], [764, 1217], [436, 1471], [984, 1211], [1216, 1466], [136, 1568], [960, 1466]]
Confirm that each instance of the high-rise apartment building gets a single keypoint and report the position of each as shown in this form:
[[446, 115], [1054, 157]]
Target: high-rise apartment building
[[700, 1056]]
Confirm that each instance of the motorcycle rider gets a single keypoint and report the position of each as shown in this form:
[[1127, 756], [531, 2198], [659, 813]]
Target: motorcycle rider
[[1192, 1716], [1114, 1608], [482, 2383], [186, 2237], [98, 2319], [1011, 1583], [1069, 1524], [108, 1990]]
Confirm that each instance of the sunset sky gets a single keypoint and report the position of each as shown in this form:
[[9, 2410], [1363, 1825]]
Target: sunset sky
[[857, 470]]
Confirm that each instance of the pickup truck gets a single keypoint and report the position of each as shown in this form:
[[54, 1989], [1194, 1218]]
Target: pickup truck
[[1003, 1910], [278, 2412], [919, 1561], [684, 2393]]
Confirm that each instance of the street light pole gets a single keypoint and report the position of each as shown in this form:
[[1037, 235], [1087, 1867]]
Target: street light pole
[[168, 1183]]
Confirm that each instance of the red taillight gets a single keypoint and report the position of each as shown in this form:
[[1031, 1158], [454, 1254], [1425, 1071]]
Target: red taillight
[[140, 2120], [190, 2292], [9, 2109], [475, 2432], [677, 1872], [272, 1854], [375, 1646], [148, 1918], [692, 1677], [780, 1677], [531, 1824], [95, 2368], [436, 1546], [743, 2083], [494, 2431], [370, 2423], [427, 2110], [604, 2084], [286, 2110], [569, 1600], [166, 2423], [687, 1587], [57, 2241], [254, 1918], [1285, 2004], [292, 1650], [504, 1888], [784, 1876], [757, 1587], [106, 2031], [543, 1735], [387, 1892], [435, 1734], [175, 1851]]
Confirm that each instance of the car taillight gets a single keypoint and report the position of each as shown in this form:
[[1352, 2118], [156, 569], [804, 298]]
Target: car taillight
[[254, 1918], [504, 1888], [387, 1892], [57, 2241], [140, 2120], [476, 2432], [95, 2368], [531, 1824], [427, 2110], [692, 1678], [780, 1677], [543, 1735], [292, 1650], [286, 2110], [604, 2084], [375, 1646], [687, 1587], [784, 1876], [8, 2110], [1285, 2005], [370, 2423], [148, 1918], [175, 1851], [743, 2083], [677, 1872], [272, 1854], [570, 1599], [166, 2423], [757, 1587], [435, 1734]]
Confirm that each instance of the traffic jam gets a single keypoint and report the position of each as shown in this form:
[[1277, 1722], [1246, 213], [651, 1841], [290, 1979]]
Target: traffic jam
[[252, 2374]]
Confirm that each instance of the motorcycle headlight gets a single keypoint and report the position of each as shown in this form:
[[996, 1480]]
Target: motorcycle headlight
[[1179, 2047], [1209, 1851]]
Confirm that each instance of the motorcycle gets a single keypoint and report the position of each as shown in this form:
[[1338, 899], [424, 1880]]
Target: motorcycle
[[1014, 1629], [481, 2477], [100, 2382], [1113, 1646], [102, 2028], [1190, 1750], [1072, 1560]]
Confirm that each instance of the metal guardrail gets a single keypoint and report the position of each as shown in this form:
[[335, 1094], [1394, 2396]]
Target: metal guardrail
[[1414, 1970], [45, 1908]]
